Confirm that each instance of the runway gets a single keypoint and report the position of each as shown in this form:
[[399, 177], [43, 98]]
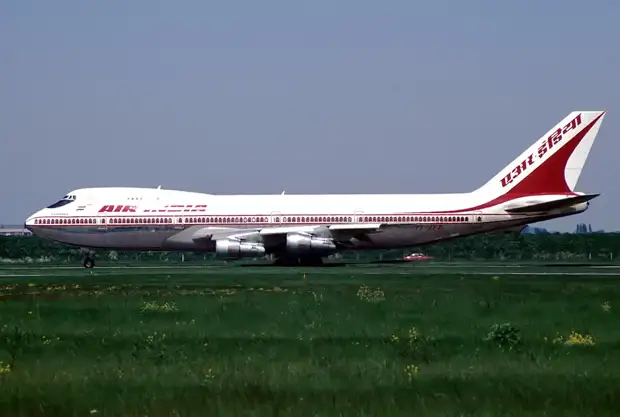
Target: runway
[[342, 270]]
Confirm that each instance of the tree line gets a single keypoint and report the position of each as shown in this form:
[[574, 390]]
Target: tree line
[[493, 246]]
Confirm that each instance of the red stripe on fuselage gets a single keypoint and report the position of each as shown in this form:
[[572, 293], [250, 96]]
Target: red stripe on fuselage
[[248, 220]]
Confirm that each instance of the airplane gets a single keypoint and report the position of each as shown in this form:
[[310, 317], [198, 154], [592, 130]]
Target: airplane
[[536, 186]]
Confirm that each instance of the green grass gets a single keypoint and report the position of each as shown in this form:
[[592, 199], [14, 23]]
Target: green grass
[[266, 341]]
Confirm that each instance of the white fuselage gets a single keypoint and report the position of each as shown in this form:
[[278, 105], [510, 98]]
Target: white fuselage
[[153, 219], [537, 185]]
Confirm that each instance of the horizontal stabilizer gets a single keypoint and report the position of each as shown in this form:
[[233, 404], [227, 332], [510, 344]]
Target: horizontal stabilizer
[[552, 205]]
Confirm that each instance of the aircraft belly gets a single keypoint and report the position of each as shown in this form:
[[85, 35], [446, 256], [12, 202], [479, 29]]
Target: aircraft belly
[[119, 239], [394, 237], [407, 236], [76, 236], [137, 239]]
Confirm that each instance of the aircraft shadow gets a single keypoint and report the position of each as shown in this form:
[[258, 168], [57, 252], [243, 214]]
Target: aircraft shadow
[[575, 265], [394, 261], [325, 265]]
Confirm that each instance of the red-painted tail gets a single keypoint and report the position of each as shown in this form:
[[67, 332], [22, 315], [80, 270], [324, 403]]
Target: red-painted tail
[[552, 165]]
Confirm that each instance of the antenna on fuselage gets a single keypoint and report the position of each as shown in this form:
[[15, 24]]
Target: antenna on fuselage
[[159, 187], [283, 191]]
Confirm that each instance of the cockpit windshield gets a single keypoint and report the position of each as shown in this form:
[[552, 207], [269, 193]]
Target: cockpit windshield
[[63, 202]]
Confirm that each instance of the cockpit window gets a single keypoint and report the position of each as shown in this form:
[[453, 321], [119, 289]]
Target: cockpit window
[[63, 202]]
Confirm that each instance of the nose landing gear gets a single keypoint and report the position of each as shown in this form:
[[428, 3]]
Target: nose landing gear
[[89, 261]]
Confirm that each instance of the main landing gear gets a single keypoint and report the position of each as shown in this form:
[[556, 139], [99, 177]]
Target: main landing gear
[[89, 261]]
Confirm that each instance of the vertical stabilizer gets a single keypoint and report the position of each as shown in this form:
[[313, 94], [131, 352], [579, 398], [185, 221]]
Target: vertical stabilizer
[[553, 164]]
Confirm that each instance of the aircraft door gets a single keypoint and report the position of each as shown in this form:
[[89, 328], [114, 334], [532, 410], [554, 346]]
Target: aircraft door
[[478, 217], [177, 223], [358, 216], [102, 223], [477, 220], [276, 218]]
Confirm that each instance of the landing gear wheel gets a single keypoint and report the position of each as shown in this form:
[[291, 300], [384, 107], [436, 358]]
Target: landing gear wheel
[[89, 263]]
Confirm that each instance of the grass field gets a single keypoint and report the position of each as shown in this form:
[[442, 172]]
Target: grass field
[[388, 340]]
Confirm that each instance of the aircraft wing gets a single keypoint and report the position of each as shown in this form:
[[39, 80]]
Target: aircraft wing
[[344, 232], [339, 232], [217, 233], [334, 229], [551, 205]]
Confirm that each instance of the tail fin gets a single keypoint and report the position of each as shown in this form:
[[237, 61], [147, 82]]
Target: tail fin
[[552, 165]]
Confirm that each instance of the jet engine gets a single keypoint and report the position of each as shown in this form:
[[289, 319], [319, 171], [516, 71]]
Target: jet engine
[[235, 249], [304, 244]]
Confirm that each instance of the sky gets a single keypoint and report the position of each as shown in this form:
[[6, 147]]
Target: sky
[[308, 97]]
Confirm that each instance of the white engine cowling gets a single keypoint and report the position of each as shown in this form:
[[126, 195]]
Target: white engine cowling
[[302, 244], [235, 249]]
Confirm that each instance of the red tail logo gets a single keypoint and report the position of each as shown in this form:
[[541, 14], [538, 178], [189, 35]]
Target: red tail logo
[[548, 144]]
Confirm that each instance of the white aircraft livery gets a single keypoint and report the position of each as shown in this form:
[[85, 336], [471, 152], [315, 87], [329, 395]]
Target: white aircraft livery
[[302, 229]]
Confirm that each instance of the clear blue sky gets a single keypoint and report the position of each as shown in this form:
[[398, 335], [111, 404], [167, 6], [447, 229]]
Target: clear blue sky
[[312, 97]]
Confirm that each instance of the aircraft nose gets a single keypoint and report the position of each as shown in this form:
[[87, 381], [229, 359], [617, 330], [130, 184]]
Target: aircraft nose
[[30, 221]]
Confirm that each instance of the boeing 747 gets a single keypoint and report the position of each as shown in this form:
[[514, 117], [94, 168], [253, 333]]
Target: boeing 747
[[303, 229]]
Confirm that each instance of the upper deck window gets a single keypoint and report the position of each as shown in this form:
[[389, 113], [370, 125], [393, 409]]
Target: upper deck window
[[63, 202]]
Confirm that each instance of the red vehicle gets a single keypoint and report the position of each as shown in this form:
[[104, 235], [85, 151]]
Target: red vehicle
[[417, 257]]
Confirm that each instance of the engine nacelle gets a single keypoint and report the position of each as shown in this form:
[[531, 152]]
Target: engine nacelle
[[302, 244], [235, 249]]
